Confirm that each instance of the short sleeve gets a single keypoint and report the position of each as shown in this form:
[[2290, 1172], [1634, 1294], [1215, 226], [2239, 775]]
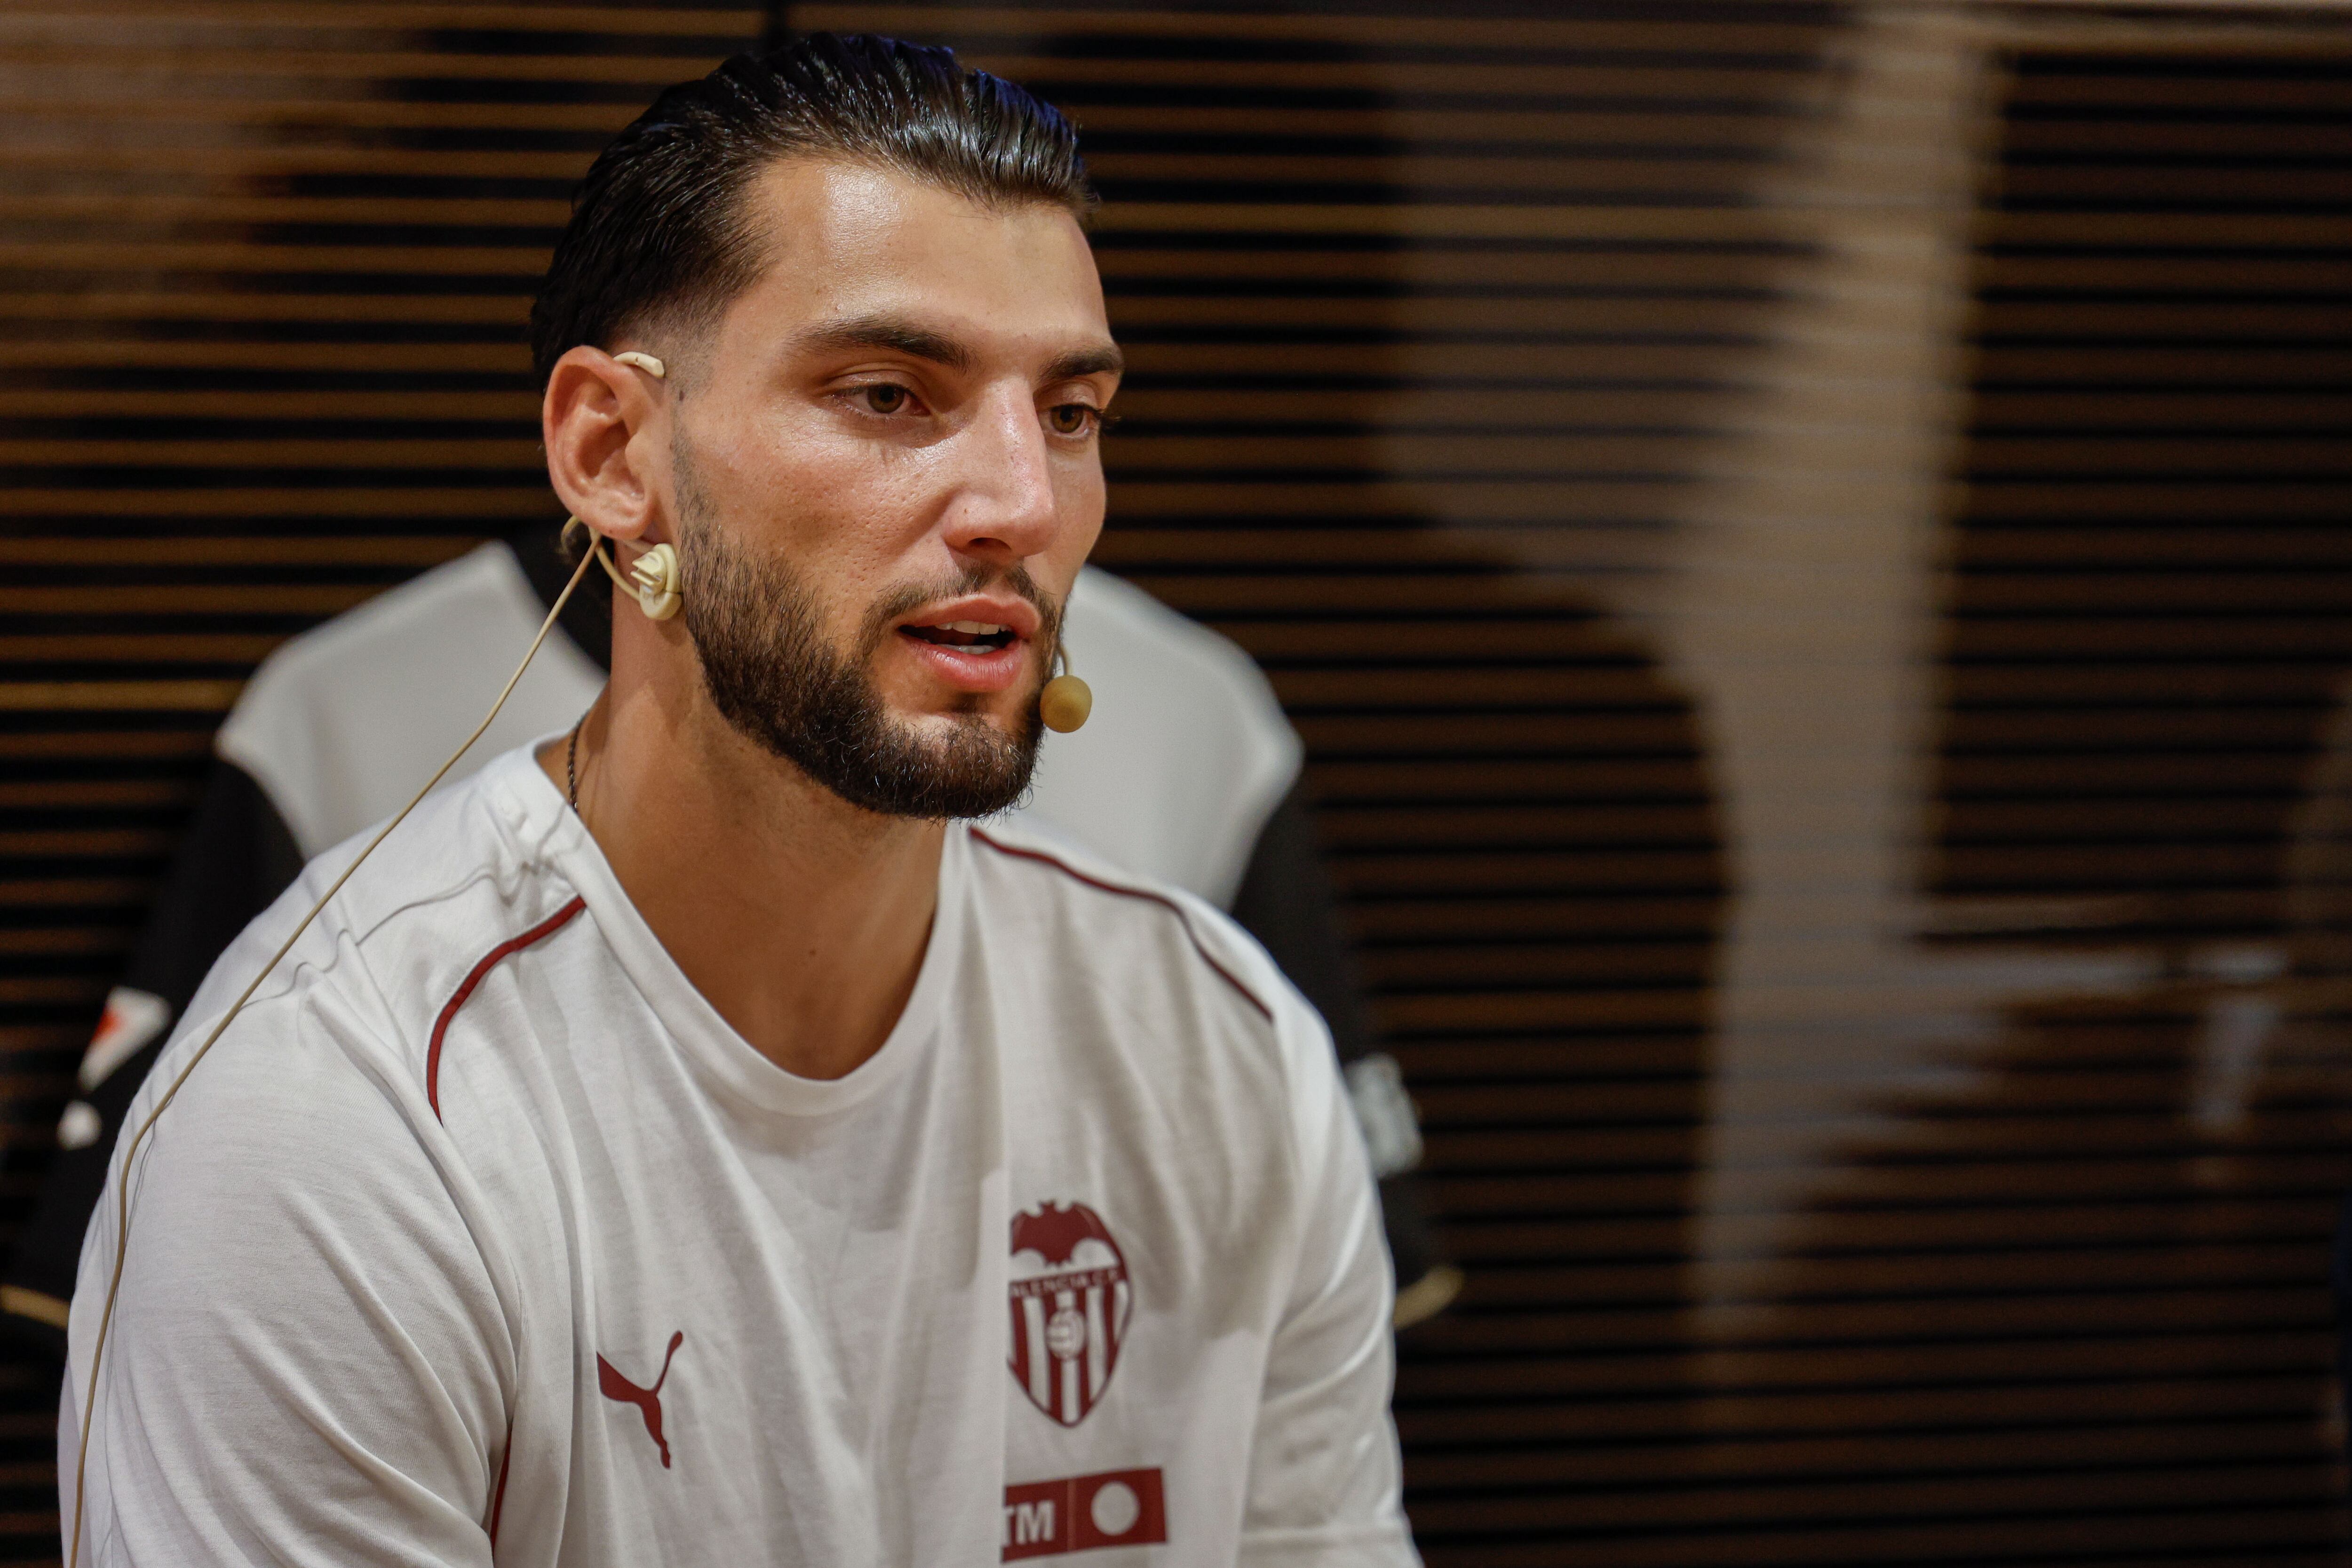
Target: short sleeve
[[1325, 1481], [308, 1363]]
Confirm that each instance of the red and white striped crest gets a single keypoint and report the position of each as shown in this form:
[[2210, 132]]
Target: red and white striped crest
[[1069, 1296]]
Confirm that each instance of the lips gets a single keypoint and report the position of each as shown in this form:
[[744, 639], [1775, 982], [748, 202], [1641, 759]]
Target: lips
[[984, 635], [978, 644]]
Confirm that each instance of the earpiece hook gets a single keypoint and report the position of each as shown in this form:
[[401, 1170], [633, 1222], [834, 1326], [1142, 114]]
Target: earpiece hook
[[652, 579]]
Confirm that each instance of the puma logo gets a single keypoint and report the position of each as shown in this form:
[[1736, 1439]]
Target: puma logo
[[646, 1400]]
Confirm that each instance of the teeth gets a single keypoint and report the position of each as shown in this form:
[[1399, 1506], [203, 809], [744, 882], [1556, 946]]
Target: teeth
[[973, 628]]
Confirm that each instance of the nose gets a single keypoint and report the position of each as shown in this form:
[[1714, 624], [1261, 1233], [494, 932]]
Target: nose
[[1004, 511]]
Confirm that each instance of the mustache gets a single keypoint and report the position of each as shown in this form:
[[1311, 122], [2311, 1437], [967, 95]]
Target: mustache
[[911, 596]]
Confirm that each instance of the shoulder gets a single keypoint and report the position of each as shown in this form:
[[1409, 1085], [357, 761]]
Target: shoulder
[[1112, 911], [1153, 985], [1192, 987], [305, 1086], [469, 870], [304, 1129], [297, 1124], [274, 1182]]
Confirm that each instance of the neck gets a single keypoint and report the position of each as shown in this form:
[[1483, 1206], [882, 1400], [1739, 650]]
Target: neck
[[801, 918]]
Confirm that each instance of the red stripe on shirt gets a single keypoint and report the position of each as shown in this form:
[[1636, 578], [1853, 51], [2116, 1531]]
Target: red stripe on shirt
[[1165, 902], [489, 960]]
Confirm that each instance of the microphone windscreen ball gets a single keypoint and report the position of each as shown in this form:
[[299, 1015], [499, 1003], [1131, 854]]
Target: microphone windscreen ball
[[1064, 704]]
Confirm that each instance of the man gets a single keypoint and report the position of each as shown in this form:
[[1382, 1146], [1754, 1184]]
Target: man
[[689, 1141]]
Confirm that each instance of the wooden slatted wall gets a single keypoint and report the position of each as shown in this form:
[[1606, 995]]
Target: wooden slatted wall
[[1434, 320], [2125, 1218]]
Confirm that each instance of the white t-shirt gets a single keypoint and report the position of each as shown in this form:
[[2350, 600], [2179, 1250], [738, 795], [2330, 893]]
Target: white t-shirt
[[481, 1222]]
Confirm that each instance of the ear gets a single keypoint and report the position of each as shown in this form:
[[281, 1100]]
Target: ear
[[607, 435]]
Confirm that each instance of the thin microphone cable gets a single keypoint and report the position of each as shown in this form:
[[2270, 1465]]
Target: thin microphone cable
[[123, 1206]]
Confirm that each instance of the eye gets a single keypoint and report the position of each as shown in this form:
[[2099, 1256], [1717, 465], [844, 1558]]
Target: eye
[[886, 397], [1073, 419]]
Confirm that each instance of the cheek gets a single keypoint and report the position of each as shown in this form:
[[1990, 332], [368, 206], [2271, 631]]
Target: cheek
[[1080, 496], [838, 510], [878, 486]]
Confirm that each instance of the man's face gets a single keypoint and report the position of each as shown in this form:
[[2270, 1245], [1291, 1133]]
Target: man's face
[[886, 475]]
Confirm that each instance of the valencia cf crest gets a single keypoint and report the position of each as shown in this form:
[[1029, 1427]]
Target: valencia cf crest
[[1070, 1301]]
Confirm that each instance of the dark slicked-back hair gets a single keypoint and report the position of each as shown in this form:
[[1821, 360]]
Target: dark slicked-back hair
[[658, 229]]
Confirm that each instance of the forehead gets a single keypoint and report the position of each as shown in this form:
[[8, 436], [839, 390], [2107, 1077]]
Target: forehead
[[846, 240]]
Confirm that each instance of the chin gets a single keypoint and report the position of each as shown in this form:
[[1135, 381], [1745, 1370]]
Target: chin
[[1000, 710], [961, 719]]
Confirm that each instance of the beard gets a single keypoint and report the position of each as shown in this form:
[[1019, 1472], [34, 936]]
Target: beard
[[758, 633]]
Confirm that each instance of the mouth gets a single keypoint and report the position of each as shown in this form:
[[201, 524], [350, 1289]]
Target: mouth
[[980, 644], [976, 637]]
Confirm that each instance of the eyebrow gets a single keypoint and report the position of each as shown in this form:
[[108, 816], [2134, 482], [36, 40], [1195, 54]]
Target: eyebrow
[[1104, 359], [895, 334], [891, 333]]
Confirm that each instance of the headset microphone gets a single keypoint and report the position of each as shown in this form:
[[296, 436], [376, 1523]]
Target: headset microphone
[[1066, 702], [652, 580], [653, 577]]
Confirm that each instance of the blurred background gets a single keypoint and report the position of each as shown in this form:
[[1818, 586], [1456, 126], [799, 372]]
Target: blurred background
[[1808, 544]]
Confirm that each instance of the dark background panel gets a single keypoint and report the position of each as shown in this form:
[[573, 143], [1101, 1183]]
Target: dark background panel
[[2139, 757]]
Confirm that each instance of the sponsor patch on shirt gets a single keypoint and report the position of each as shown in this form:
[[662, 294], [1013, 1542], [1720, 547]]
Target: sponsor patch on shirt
[[1117, 1507]]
